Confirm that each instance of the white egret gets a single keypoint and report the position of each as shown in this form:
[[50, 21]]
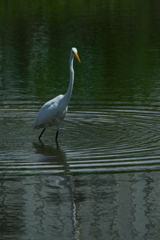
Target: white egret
[[54, 111]]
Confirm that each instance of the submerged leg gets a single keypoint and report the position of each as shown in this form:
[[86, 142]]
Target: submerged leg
[[41, 134], [56, 138]]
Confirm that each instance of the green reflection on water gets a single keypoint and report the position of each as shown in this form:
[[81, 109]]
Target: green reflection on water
[[118, 43]]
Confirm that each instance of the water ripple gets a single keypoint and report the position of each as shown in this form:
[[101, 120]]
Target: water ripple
[[127, 141], [113, 139]]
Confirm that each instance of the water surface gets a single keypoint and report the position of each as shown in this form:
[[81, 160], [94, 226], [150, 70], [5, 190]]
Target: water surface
[[103, 178]]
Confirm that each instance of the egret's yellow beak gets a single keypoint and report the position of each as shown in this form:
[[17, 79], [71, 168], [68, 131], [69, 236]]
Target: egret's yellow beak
[[76, 55]]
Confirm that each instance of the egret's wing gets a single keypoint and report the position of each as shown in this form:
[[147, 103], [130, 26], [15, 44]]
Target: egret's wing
[[47, 113]]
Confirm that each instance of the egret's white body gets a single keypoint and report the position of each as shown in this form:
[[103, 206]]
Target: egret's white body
[[54, 111]]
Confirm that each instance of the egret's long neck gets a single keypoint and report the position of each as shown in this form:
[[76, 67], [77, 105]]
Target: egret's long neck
[[70, 87]]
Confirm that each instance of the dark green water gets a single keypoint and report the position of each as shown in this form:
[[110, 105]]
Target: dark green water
[[103, 180]]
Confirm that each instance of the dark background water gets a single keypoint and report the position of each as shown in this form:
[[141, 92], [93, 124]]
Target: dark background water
[[103, 179]]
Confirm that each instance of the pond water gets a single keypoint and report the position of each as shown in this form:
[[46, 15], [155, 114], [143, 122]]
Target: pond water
[[102, 181]]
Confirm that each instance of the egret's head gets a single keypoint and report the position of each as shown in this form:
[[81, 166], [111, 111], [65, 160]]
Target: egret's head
[[75, 53]]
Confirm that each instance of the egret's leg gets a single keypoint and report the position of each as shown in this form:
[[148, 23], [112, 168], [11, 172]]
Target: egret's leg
[[41, 134], [56, 138]]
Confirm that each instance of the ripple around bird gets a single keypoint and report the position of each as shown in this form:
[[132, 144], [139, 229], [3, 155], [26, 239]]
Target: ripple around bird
[[115, 139], [112, 139]]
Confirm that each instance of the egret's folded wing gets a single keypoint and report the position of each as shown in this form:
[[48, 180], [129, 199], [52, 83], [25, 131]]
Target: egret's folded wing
[[47, 113]]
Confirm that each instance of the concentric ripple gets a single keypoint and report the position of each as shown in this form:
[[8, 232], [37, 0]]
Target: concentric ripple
[[94, 139], [118, 139]]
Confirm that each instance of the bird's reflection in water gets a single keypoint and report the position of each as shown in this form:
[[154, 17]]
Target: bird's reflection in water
[[53, 162], [57, 157], [50, 153]]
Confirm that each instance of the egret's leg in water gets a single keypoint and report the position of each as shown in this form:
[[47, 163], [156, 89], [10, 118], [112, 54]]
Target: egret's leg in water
[[56, 138], [41, 134], [58, 127]]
